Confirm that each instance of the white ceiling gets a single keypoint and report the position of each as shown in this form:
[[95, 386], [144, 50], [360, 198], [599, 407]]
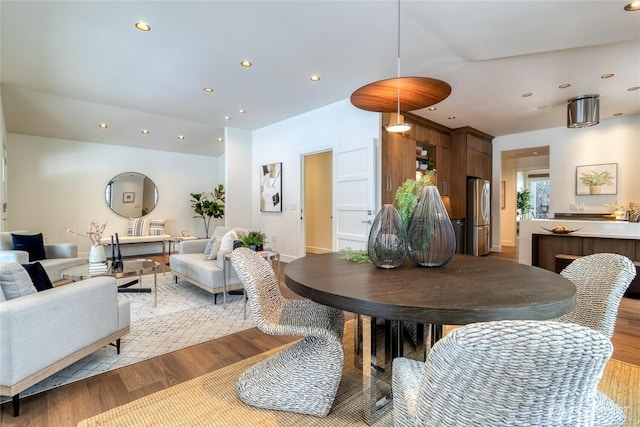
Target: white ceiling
[[68, 65]]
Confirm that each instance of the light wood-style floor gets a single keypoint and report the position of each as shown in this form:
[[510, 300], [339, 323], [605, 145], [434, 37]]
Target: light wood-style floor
[[67, 405]]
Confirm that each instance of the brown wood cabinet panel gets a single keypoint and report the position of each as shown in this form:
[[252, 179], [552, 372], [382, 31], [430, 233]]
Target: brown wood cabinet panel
[[398, 164], [595, 245], [545, 247]]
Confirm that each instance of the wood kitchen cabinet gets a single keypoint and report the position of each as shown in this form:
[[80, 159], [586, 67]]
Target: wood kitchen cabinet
[[471, 156], [401, 157]]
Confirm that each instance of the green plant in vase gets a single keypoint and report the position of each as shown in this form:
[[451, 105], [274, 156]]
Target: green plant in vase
[[254, 240], [523, 202], [207, 209], [408, 193]]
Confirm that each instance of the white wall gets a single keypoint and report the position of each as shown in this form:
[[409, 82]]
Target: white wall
[[54, 183], [286, 142], [3, 177], [611, 141], [238, 178]]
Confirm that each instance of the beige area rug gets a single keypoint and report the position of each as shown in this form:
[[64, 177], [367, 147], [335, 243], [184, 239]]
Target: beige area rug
[[211, 400]]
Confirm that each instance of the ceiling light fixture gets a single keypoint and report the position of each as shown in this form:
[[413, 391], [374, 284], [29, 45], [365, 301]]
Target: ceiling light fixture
[[103, 125], [564, 85], [633, 6], [208, 89], [583, 111], [384, 96], [181, 137], [142, 26], [227, 117], [607, 76], [527, 94], [632, 88], [246, 63], [145, 132], [241, 111], [314, 78], [220, 140]]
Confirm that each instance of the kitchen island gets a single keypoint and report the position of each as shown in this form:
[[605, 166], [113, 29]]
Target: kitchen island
[[553, 252]]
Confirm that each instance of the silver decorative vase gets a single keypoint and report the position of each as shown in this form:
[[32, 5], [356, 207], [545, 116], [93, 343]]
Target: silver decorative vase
[[431, 240], [387, 244]]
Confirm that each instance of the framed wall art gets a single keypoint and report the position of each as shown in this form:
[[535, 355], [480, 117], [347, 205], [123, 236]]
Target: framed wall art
[[271, 187], [597, 179], [128, 197]]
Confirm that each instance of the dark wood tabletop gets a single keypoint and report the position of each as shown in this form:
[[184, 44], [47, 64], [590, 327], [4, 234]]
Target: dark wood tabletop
[[467, 289]]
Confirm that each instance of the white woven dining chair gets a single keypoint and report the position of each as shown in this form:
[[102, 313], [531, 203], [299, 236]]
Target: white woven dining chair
[[507, 373], [305, 376], [601, 280]]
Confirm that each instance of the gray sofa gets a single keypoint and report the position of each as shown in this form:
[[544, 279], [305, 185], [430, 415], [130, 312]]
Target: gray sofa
[[59, 256], [190, 265], [43, 332]]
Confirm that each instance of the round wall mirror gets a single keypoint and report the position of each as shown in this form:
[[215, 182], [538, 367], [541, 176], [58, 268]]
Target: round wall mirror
[[131, 194]]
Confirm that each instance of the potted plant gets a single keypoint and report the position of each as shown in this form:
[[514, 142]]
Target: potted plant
[[408, 193], [595, 180], [206, 209], [254, 240], [523, 203]]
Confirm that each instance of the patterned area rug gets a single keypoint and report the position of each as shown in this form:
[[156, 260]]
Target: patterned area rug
[[185, 316]]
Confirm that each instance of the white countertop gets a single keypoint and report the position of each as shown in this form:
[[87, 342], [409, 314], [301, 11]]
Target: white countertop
[[588, 228]]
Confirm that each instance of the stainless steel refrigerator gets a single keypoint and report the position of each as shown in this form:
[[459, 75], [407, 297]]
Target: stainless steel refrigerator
[[478, 216]]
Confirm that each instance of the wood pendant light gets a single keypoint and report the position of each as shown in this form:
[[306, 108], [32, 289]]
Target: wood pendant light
[[416, 93]]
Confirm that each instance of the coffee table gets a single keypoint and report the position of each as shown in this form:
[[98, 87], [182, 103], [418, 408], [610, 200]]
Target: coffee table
[[131, 268]]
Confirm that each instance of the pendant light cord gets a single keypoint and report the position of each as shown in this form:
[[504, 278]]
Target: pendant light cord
[[398, 118]]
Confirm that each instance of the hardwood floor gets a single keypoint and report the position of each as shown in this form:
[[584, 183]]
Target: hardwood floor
[[67, 405]]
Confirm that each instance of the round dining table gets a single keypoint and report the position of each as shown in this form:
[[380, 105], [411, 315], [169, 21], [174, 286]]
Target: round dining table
[[467, 289]]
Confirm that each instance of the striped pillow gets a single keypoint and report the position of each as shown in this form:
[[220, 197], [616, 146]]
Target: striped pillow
[[156, 227], [138, 227]]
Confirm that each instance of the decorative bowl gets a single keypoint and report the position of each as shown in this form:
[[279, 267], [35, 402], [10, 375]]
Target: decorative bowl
[[564, 231]]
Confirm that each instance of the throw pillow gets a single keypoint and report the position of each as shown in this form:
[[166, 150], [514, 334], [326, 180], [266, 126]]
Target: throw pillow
[[38, 276], [34, 244], [213, 246], [138, 227], [15, 281], [156, 227], [226, 244]]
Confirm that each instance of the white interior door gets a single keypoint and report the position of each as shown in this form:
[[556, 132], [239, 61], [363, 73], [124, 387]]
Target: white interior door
[[354, 195]]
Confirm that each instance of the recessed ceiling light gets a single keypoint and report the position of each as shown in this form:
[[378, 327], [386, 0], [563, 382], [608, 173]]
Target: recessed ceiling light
[[633, 6], [315, 78], [246, 64], [633, 88], [542, 107], [564, 85], [208, 89], [142, 26], [227, 117], [145, 132], [220, 140], [451, 117], [617, 114], [607, 76], [241, 111], [181, 137], [432, 108], [103, 125], [526, 94]]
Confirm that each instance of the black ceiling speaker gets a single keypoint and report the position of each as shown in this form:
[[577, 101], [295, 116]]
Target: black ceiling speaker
[[583, 111]]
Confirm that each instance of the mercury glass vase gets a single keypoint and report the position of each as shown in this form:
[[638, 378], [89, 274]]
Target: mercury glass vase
[[431, 240], [387, 244]]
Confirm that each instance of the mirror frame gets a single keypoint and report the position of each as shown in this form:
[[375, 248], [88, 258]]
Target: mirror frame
[[131, 194]]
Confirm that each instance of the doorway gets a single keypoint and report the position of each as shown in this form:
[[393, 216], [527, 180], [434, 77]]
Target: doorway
[[318, 202], [524, 168]]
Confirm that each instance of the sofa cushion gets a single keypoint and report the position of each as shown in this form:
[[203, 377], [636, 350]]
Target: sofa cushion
[[156, 227], [33, 244], [15, 281], [138, 227], [38, 276], [212, 248], [226, 244], [6, 239]]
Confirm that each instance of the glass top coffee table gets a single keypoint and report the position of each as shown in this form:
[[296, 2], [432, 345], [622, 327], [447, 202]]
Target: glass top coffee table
[[131, 268]]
